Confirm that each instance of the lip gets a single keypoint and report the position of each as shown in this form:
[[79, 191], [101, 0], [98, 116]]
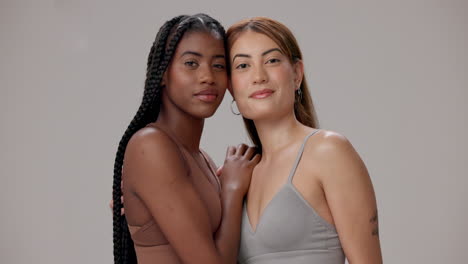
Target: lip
[[207, 95], [260, 94]]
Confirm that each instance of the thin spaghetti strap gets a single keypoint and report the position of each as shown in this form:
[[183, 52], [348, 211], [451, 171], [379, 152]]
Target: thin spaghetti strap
[[299, 155], [213, 170]]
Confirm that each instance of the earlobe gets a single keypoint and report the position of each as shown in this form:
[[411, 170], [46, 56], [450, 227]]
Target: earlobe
[[164, 79], [299, 73]]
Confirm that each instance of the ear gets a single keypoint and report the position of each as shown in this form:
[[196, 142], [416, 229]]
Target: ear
[[298, 73], [164, 79]]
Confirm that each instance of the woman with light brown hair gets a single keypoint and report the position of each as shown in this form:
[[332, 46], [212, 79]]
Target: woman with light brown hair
[[310, 199]]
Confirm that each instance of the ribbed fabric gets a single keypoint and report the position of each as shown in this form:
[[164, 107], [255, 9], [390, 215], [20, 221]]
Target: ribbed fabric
[[289, 230]]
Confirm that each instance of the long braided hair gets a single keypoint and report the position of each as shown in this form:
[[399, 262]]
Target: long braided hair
[[159, 58]]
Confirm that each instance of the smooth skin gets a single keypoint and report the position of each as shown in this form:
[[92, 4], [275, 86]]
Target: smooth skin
[[156, 185], [331, 176]]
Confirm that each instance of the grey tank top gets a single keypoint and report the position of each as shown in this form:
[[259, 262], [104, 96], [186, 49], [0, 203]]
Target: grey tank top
[[289, 230]]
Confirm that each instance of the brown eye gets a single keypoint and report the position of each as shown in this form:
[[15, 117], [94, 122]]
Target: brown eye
[[242, 66], [274, 60], [191, 64], [219, 66]]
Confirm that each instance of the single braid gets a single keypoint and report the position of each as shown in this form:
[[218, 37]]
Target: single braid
[[122, 241], [159, 58], [152, 83]]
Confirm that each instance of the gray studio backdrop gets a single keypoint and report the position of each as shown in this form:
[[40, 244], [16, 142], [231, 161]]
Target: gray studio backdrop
[[390, 75]]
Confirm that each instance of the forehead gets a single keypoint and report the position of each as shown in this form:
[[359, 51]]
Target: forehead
[[251, 42], [200, 41]]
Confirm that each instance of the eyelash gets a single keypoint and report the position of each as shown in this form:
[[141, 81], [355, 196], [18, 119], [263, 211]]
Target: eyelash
[[244, 65], [273, 59], [191, 63], [219, 66]]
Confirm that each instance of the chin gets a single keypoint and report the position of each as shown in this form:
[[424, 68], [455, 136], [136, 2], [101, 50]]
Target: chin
[[257, 112], [257, 115], [205, 113]]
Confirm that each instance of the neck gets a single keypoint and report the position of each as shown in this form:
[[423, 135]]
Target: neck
[[275, 135], [186, 128]]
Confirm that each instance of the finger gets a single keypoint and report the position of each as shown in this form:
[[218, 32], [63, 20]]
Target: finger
[[219, 171], [230, 151], [111, 204], [241, 149], [256, 159], [249, 153], [122, 211], [121, 199]]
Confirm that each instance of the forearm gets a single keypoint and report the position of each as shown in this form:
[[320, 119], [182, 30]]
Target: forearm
[[228, 234]]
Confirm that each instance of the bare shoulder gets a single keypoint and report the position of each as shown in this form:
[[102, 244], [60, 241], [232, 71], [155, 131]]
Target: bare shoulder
[[332, 152], [349, 195], [329, 143], [151, 149], [150, 140]]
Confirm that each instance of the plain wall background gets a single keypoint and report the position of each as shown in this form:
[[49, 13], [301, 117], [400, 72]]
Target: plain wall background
[[389, 75]]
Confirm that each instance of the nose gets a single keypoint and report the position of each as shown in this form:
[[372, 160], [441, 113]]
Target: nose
[[206, 75], [260, 76]]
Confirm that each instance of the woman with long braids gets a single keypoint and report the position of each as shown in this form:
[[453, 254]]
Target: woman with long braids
[[172, 196], [310, 198]]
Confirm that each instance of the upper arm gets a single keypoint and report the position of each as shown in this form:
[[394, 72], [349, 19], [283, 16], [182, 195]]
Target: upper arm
[[351, 199], [156, 172]]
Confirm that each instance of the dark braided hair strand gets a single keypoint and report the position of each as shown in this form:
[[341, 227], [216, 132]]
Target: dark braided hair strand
[[159, 58]]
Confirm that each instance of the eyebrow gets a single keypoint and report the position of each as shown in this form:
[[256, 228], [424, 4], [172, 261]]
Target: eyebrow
[[271, 50], [263, 54], [188, 52], [200, 55]]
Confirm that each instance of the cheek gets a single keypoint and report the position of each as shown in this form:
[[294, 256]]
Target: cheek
[[283, 76], [222, 79], [238, 81], [178, 88], [179, 78], [284, 80], [184, 78]]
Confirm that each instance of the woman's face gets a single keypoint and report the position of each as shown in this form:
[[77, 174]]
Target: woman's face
[[263, 80], [196, 78]]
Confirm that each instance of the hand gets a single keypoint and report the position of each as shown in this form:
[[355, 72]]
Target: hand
[[219, 171], [236, 172], [111, 203]]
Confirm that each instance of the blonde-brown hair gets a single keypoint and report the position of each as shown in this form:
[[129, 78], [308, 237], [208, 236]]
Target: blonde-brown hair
[[282, 36]]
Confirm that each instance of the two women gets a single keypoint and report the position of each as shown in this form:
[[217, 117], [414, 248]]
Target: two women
[[310, 197]]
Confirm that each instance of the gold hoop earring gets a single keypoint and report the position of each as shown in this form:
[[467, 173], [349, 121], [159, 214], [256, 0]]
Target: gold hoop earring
[[232, 110]]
